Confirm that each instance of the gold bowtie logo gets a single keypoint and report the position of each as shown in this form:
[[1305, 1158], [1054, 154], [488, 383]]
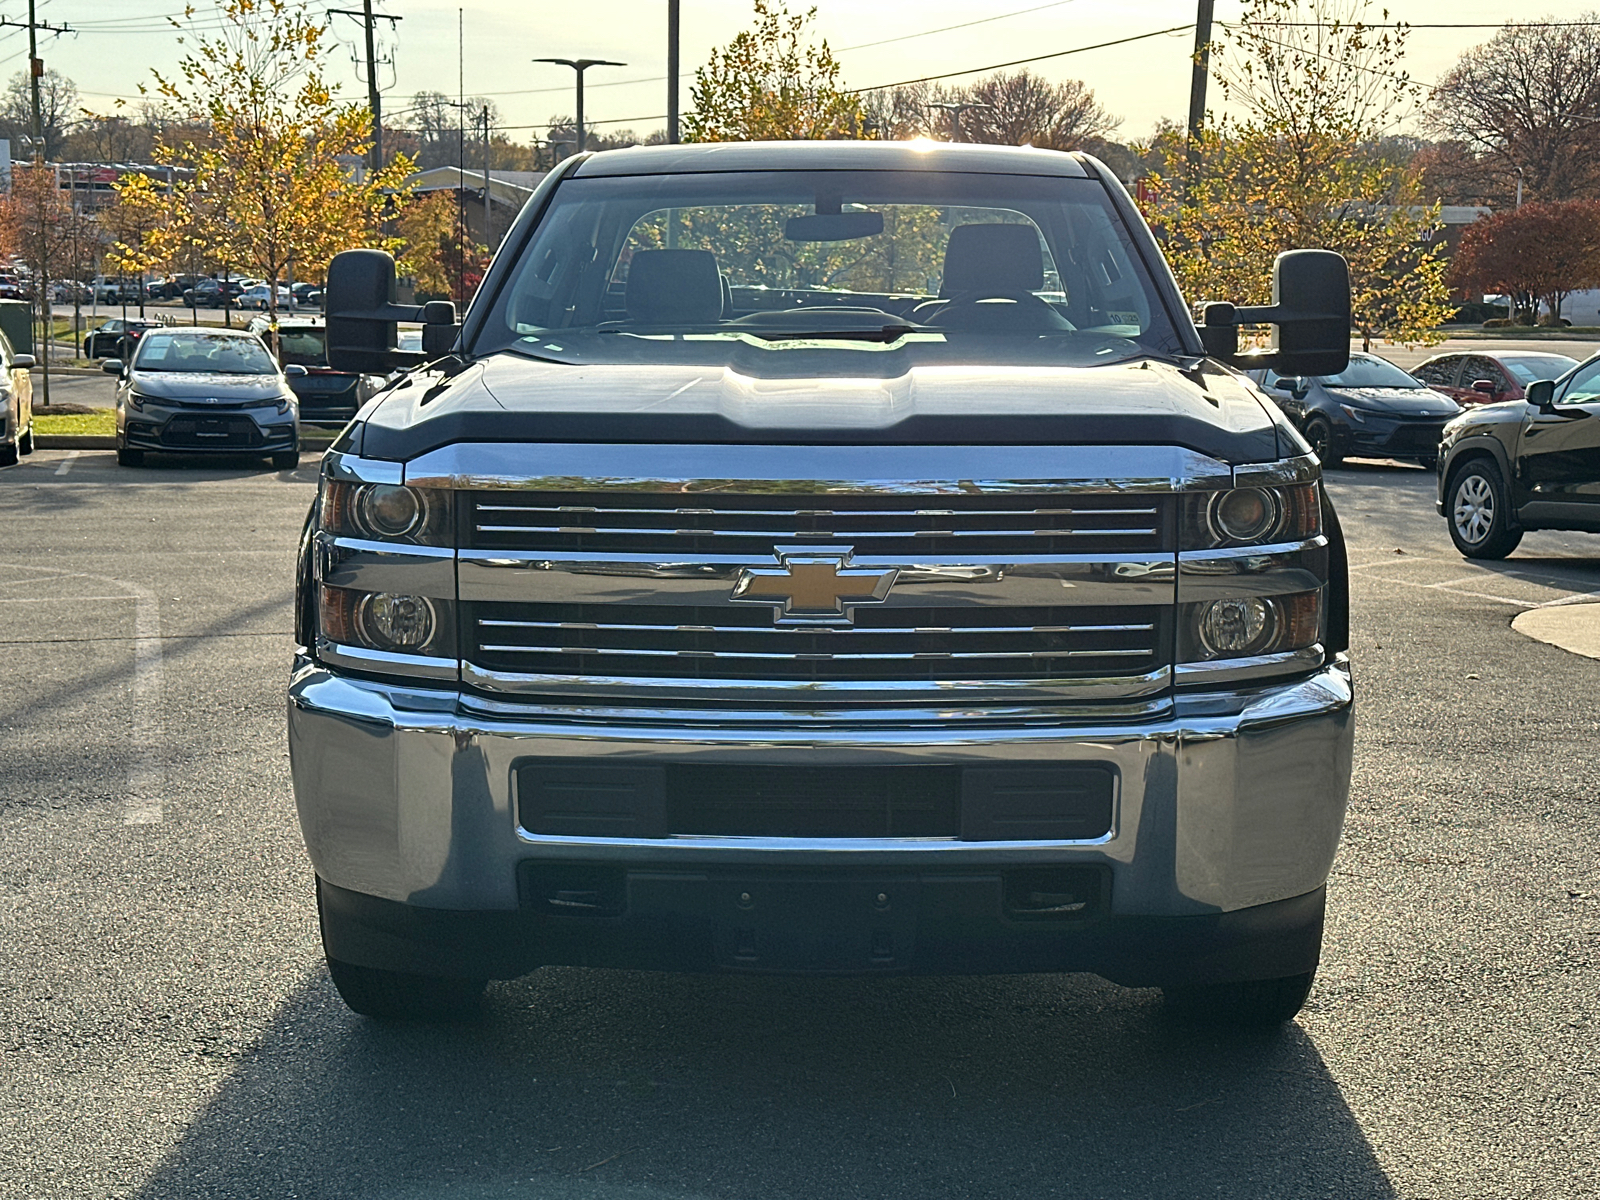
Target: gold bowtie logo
[[812, 588]]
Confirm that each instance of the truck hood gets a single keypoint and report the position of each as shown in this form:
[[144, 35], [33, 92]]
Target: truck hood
[[507, 397]]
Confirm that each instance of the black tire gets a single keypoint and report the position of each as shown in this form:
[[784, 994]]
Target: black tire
[[398, 996], [1477, 511], [1256, 1003], [1319, 434], [8, 455], [1428, 463], [129, 458], [25, 442], [288, 460]]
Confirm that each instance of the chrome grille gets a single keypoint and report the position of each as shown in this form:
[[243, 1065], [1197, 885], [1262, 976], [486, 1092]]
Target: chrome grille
[[884, 643], [912, 526]]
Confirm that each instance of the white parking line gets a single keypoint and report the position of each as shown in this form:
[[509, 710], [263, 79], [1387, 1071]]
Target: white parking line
[[147, 772], [66, 463]]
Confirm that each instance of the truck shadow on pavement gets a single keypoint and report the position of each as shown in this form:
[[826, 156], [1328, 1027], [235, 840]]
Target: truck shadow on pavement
[[611, 1084]]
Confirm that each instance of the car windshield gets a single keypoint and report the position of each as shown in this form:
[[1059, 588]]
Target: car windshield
[[949, 267], [308, 347], [213, 353], [1365, 371], [1531, 367]]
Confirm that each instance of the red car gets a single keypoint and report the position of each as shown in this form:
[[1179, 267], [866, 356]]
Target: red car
[[1488, 377]]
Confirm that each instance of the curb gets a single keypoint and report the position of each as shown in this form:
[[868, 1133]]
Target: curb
[[1574, 628], [76, 372], [89, 441]]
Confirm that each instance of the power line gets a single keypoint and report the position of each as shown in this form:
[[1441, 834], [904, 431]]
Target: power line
[[906, 37], [1017, 62]]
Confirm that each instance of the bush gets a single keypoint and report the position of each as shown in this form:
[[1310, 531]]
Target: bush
[[1497, 323], [1552, 322], [1471, 314]]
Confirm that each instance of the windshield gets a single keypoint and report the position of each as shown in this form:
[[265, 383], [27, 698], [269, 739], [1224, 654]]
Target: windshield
[[1367, 372], [308, 347], [1531, 367], [212, 353], [951, 267]]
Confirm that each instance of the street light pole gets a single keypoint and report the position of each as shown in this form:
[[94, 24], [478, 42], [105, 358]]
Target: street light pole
[[580, 65], [958, 108], [672, 72]]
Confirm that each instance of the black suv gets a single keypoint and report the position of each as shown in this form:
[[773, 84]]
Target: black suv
[[1526, 464]]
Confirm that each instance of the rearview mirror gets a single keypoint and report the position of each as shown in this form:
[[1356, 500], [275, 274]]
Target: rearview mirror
[[1486, 386], [295, 371], [1309, 315], [833, 227], [23, 362], [1542, 394], [111, 366]]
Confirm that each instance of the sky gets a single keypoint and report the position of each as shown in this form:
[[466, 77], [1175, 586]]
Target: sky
[[878, 42]]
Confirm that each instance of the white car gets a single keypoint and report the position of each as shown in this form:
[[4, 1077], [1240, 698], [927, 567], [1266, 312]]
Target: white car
[[260, 296]]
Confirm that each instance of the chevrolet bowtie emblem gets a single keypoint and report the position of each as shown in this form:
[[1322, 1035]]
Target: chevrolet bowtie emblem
[[809, 587]]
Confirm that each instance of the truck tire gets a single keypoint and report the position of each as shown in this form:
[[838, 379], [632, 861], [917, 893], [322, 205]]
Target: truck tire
[[398, 996], [1477, 511], [1256, 1003]]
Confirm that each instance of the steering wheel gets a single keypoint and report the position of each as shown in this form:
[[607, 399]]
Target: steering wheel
[[1030, 315]]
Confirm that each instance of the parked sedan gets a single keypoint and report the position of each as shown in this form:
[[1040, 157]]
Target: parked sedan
[[213, 391], [1525, 464], [16, 404], [1490, 378], [106, 340], [260, 297], [1371, 409]]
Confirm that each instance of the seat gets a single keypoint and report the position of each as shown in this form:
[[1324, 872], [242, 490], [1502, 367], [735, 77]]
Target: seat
[[674, 287], [992, 260]]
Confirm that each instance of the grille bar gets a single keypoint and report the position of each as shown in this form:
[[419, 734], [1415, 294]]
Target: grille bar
[[490, 623], [822, 656]]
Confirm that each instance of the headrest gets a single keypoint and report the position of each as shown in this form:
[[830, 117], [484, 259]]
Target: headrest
[[674, 287], [992, 258]]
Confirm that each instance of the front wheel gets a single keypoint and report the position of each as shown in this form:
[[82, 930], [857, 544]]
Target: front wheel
[[288, 460], [25, 442], [1255, 1003], [1428, 463], [129, 458], [1319, 434], [1479, 511]]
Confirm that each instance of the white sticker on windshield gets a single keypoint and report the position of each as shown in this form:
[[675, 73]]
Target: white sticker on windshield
[[155, 348]]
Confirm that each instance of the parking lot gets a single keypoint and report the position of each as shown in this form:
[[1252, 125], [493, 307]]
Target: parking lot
[[167, 1029]]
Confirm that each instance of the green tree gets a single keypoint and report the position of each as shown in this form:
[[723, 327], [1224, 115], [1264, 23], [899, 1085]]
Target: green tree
[[1303, 164], [273, 181], [772, 83]]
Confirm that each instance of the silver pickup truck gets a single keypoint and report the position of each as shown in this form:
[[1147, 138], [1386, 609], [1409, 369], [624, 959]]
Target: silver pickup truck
[[825, 557]]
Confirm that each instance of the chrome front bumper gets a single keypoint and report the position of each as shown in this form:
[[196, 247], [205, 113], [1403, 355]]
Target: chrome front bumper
[[1232, 799]]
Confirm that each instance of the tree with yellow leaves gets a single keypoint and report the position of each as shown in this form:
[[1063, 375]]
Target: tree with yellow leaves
[[1315, 88], [275, 182], [772, 83]]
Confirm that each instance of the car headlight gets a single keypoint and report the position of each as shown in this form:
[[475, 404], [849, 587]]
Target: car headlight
[[1251, 516], [1246, 626], [137, 402], [1355, 414], [386, 512]]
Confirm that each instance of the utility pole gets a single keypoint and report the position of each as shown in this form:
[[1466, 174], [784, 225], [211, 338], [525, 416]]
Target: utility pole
[[35, 66], [1197, 83], [580, 65], [672, 72], [369, 23], [488, 215]]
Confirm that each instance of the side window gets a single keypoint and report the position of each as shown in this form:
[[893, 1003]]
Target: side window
[[1584, 387], [1481, 368], [1441, 372]]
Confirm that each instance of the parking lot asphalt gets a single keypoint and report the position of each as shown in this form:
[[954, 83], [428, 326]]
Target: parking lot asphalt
[[167, 1029]]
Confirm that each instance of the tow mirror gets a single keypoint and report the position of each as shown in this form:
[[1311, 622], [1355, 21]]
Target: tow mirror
[[359, 302], [1309, 315], [1541, 394]]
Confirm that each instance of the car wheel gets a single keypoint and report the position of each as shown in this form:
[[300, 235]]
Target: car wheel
[[1253, 1003], [1479, 512], [129, 458], [1428, 463], [1319, 434], [8, 455], [287, 460], [400, 996], [25, 442]]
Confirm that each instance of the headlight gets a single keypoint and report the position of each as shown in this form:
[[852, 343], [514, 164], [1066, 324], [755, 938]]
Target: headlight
[[1355, 414], [389, 621], [137, 402], [386, 512], [1251, 516], [1246, 626]]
